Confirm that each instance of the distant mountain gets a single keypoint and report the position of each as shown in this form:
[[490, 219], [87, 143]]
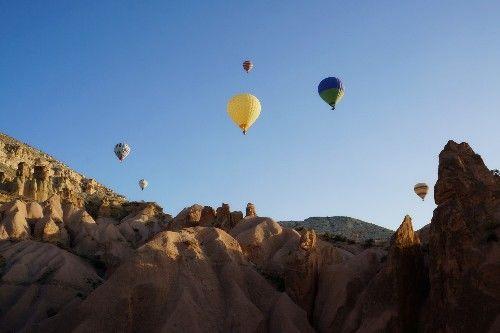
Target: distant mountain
[[348, 227]]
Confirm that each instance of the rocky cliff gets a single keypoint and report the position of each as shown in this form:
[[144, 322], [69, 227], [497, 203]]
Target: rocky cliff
[[28, 173], [126, 266], [464, 252]]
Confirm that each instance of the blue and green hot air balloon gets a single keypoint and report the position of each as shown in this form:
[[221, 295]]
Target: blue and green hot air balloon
[[331, 91]]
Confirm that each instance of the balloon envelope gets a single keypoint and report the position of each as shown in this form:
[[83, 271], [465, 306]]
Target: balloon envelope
[[331, 91], [244, 109], [421, 190], [247, 65], [143, 183], [122, 150]]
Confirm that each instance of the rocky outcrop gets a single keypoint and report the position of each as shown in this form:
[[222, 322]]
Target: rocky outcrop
[[31, 174], [215, 270], [194, 280], [409, 276], [384, 295], [198, 215], [236, 217], [61, 223], [208, 216], [34, 210], [464, 252], [104, 242], [339, 288], [223, 217], [13, 224], [291, 261], [140, 226], [343, 228], [250, 210], [187, 218], [302, 272], [39, 280], [447, 284]]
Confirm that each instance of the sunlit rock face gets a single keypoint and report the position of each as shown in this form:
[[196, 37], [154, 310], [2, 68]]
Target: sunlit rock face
[[250, 210], [29, 173]]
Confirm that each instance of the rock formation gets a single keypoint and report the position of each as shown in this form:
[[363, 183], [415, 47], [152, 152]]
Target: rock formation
[[464, 252], [250, 210], [223, 217], [13, 223], [39, 280], [28, 173], [193, 280], [289, 260], [198, 215], [74, 256], [343, 228], [451, 288]]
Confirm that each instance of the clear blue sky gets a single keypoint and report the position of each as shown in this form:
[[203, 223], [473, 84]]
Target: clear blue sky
[[76, 77]]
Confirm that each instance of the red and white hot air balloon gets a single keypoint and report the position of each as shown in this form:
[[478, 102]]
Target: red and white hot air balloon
[[247, 65]]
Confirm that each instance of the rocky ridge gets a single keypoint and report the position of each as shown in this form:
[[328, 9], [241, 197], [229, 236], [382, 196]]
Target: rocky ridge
[[343, 227], [131, 267], [28, 173]]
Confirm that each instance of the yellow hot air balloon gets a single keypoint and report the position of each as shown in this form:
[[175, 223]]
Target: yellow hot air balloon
[[421, 190], [243, 109]]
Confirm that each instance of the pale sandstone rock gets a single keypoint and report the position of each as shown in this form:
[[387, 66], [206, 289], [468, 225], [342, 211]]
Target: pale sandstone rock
[[290, 260], [194, 280], [140, 226], [38, 281], [106, 220], [250, 210], [13, 224], [223, 217], [34, 210], [208, 217], [188, 217], [53, 208], [236, 217], [37, 176], [52, 231]]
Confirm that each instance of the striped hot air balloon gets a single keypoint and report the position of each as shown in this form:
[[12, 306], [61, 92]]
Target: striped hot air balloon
[[331, 91], [421, 190], [247, 65]]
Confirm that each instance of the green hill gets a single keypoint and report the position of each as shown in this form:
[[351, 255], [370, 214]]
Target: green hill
[[348, 227]]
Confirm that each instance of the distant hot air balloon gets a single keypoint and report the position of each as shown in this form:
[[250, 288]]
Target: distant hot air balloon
[[122, 150], [247, 65], [143, 183], [331, 91], [243, 109], [421, 190]]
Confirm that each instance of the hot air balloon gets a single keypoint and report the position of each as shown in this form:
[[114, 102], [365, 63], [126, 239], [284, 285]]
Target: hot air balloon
[[243, 109], [247, 65], [122, 150], [331, 91], [143, 183], [421, 190]]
